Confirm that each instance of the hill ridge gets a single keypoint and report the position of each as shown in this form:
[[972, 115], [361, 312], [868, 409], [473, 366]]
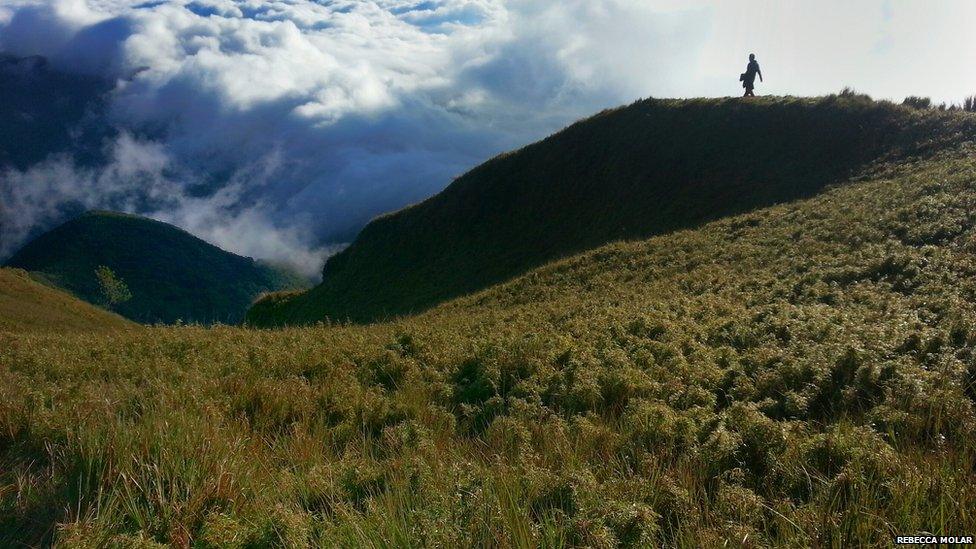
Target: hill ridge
[[173, 275], [631, 172]]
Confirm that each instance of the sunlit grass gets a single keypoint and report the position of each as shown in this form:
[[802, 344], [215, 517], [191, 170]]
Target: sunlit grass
[[798, 375], [649, 168]]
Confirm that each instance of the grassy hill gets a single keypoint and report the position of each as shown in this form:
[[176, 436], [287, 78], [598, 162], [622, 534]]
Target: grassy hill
[[28, 306], [650, 168], [797, 375], [171, 274]]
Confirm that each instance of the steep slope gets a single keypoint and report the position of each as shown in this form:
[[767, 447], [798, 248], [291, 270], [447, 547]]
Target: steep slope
[[650, 168], [802, 375], [171, 274], [28, 306]]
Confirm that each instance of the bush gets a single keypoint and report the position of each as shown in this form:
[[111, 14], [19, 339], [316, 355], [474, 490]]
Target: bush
[[917, 102], [113, 289]]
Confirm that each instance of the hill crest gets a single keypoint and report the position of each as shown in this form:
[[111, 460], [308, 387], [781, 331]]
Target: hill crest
[[628, 173], [173, 275]]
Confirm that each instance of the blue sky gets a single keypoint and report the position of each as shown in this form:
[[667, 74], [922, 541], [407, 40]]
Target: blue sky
[[320, 115]]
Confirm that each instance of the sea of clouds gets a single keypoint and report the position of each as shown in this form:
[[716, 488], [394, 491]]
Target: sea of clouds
[[277, 129]]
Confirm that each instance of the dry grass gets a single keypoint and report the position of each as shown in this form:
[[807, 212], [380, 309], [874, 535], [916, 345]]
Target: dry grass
[[28, 306], [650, 168], [800, 375]]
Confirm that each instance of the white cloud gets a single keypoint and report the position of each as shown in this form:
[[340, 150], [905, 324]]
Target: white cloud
[[37, 196], [135, 179], [265, 126]]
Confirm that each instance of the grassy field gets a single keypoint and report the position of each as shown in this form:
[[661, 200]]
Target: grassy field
[[27, 306], [646, 169], [800, 375]]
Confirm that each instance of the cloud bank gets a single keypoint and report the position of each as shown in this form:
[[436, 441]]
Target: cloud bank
[[276, 129]]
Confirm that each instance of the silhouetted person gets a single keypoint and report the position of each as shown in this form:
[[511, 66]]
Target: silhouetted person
[[749, 77]]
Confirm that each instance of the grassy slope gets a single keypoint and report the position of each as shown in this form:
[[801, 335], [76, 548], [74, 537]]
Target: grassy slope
[[172, 274], [27, 306], [799, 375], [652, 167]]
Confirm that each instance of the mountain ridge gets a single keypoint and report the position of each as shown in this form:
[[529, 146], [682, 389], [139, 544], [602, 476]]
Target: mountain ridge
[[632, 172]]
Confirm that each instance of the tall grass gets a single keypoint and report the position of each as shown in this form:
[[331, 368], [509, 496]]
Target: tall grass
[[917, 102], [969, 104], [795, 376]]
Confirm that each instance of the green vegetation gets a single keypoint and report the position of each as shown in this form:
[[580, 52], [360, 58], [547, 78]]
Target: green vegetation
[[27, 305], [114, 290], [917, 102], [170, 274], [968, 104], [647, 169], [799, 375]]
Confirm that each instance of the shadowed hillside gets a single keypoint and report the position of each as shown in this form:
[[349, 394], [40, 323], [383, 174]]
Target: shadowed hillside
[[28, 306], [172, 275], [650, 168]]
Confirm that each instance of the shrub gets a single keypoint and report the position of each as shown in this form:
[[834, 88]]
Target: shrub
[[917, 102], [113, 289]]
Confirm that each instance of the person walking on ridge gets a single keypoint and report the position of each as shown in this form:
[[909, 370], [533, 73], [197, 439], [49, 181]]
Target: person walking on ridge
[[749, 77]]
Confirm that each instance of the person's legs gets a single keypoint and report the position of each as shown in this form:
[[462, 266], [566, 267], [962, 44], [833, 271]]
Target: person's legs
[[748, 93]]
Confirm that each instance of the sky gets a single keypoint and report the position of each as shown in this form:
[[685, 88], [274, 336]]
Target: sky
[[276, 129]]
